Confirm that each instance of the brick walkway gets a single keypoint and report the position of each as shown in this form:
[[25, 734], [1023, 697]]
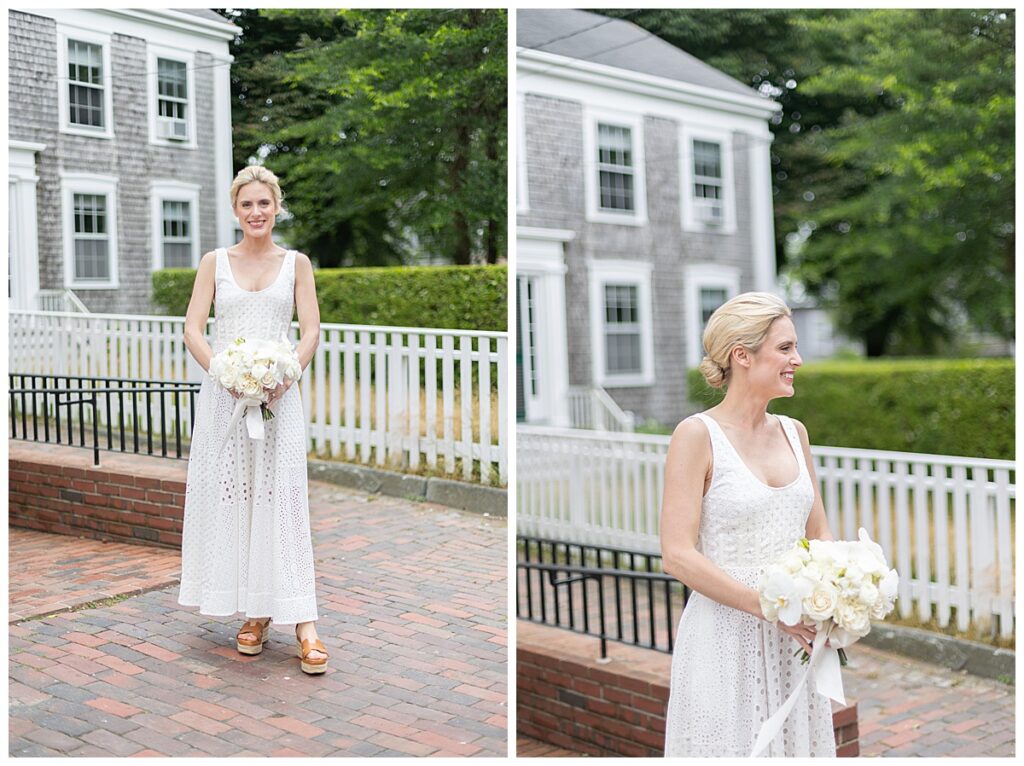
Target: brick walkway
[[911, 708], [413, 611]]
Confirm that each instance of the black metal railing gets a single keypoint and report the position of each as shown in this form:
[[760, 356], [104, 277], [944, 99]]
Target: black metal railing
[[613, 594], [151, 417]]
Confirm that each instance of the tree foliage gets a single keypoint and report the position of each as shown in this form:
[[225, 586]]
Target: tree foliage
[[893, 167], [387, 128]]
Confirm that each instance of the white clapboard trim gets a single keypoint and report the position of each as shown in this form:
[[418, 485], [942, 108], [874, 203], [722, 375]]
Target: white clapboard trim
[[399, 397], [944, 522]]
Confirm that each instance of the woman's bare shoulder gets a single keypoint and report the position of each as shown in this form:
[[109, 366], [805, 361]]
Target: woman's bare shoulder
[[690, 432]]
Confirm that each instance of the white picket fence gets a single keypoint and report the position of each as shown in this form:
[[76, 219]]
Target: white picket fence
[[945, 523], [390, 396]]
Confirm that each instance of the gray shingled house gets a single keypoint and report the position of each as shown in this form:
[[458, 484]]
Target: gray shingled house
[[644, 202], [119, 156]]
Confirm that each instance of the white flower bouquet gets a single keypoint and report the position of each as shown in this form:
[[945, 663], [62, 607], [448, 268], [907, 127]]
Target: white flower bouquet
[[836, 586], [253, 368]]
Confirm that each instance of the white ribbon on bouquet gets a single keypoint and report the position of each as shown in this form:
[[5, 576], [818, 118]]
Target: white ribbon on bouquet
[[828, 681], [250, 406]]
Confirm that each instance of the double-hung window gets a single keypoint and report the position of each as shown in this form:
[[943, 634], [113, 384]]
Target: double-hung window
[[90, 230], [85, 84], [622, 342], [175, 224], [706, 287], [171, 99], [614, 167], [708, 197], [707, 182], [84, 92]]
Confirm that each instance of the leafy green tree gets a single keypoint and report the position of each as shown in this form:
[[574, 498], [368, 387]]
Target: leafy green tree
[[921, 242], [892, 162], [387, 127]]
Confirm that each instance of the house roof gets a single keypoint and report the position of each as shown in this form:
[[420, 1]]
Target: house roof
[[617, 43], [204, 13]]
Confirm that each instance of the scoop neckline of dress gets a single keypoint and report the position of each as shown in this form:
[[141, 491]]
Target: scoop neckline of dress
[[234, 281], [739, 457]]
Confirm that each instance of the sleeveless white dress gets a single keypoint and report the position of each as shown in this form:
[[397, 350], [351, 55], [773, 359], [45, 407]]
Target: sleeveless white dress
[[730, 670], [246, 543]]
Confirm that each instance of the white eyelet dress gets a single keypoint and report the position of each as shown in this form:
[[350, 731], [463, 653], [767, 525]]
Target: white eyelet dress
[[730, 670], [246, 543]]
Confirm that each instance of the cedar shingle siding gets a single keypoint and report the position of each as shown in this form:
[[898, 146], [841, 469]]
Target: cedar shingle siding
[[129, 156]]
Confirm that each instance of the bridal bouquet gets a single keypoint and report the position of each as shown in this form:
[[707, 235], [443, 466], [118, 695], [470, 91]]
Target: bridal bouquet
[[253, 368], [836, 586]]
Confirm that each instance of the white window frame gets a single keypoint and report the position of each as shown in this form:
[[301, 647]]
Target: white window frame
[[154, 52], [592, 186], [89, 183], [687, 135], [522, 178], [64, 34], [697, 277], [615, 272], [172, 191]]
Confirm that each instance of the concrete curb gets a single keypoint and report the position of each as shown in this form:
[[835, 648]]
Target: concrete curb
[[490, 501], [953, 653]]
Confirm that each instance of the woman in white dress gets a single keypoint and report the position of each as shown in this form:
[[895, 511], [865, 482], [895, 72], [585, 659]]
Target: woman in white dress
[[740, 489], [246, 542]]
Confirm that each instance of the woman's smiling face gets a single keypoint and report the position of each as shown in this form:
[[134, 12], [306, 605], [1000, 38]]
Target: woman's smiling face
[[255, 208], [774, 363]]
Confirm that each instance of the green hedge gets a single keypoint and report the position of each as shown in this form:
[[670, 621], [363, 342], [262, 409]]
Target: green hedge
[[937, 406], [452, 297]]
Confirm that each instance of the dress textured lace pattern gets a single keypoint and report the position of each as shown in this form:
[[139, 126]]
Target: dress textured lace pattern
[[730, 670], [246, 543]]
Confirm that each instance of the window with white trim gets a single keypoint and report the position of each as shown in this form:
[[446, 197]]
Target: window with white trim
[[615, 168], [708, 194], [707, 181], [622, 330], [706, 286], [710, 299], [91, 238], [85, 84], [172, 89], [175, 224], [177, 233]]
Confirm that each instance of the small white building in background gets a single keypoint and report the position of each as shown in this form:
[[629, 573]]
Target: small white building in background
[[643, 203], [119, 153]]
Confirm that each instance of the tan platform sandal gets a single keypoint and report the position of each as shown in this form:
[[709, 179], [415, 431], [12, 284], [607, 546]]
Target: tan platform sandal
[[261, 631], [311, 666]]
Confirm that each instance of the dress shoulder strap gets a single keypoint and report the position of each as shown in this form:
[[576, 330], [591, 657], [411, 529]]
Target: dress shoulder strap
[[789, 428], [222, 262], [714, 431]]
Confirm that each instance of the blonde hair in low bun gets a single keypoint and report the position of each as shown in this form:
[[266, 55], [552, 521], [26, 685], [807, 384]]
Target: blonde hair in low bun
[[741, 321]]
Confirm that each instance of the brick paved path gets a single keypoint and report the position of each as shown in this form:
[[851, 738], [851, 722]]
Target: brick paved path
[[915, 708], [526, 747], [413, 611]]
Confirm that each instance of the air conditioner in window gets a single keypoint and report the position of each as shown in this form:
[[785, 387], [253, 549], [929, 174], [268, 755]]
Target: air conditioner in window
[[710, 215], [172, 129]]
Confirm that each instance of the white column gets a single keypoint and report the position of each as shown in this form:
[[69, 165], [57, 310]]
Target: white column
[[222, 149], [762, 218], [24, 237]]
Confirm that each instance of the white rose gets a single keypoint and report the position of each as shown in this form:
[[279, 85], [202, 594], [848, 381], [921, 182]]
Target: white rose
[[268, 380], [250, 386], [880, 609], [853, 617], [868, 594], [822, 602], [259, 370]]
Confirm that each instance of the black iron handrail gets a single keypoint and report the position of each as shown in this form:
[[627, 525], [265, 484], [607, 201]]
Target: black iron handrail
[[644, 602], [31, 396]]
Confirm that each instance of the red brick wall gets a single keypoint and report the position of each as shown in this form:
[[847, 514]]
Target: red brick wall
[[566, 697], [127, 499]]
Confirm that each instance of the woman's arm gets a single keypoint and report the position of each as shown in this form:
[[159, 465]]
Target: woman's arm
[[687, 464], [199, 311], [307, 309], [817, 521]]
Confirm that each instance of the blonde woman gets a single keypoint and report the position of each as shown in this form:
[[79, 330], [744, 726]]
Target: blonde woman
[[246, 543], [739, 490]]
